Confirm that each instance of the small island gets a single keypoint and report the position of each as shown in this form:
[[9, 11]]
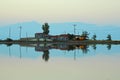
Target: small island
[[45, 37]]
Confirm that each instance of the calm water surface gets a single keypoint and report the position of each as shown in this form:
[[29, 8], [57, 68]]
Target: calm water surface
[[59, 62]]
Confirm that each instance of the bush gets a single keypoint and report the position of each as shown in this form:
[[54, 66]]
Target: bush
[[9, 39]]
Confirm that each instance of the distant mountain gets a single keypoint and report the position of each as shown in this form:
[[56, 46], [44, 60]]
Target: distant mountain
[[30, 28], [100, 30]]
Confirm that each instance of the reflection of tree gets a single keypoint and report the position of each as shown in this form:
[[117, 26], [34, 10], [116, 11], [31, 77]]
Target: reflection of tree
[[94, 46], [109, 46], [71, 47], [94, 37], [9, 44], [85, 51], [46, 55], [84, 48]]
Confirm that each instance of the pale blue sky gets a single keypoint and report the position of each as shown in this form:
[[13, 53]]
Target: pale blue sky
[[89, 11]]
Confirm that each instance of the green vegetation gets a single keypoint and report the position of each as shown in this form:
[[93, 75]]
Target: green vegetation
[[94, 37], [45, 28], [71, 36], [85, 34], [109, 38], [8, 39]]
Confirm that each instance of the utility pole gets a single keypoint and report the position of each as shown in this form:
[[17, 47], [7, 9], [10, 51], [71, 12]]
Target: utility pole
[[20, 52], [26, 36], [9, 37], [9, 51], [75, 54], [74, 28], [20, 31], [9, 32]]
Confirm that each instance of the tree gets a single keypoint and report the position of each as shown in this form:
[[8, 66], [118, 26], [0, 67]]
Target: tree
[[85, 34], [94, 37], [71, 36], [45, 28], [109, 37], [8, 39]]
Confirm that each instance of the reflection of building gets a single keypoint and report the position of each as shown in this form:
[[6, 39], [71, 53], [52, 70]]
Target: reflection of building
[[84, 48], [62, 46], [42, 47]]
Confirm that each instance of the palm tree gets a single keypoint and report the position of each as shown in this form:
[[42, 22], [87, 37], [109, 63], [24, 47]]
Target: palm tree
[[85, 34], [94, 37], [71, 36], [45, 28], [109, 46], [109, 37]]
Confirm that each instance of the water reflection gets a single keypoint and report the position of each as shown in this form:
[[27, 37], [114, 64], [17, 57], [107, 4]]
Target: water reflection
[[109, 46], [9, 51], [94, 46], [64, 62], [45, 55], [63, 47], [20, 52], [67, 47], [45, 49]]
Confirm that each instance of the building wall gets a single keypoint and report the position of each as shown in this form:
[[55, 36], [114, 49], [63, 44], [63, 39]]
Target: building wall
[[39, 35]]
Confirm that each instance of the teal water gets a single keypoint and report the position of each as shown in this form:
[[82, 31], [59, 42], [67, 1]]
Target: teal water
[[33, 62], [30, 52]]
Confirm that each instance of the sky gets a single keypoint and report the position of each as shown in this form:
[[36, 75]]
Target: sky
[[89, 11]]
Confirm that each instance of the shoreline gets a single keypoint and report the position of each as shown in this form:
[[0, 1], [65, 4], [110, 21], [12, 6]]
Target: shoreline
[[87, 42]]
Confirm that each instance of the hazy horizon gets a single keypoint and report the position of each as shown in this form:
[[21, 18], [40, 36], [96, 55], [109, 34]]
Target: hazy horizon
[[88, 11]]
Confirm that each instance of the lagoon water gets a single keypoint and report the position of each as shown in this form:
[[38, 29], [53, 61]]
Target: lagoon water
[[38, 62]]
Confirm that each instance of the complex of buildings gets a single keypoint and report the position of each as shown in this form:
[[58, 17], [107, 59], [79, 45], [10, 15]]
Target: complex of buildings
[[45, 37], [62, 37]]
